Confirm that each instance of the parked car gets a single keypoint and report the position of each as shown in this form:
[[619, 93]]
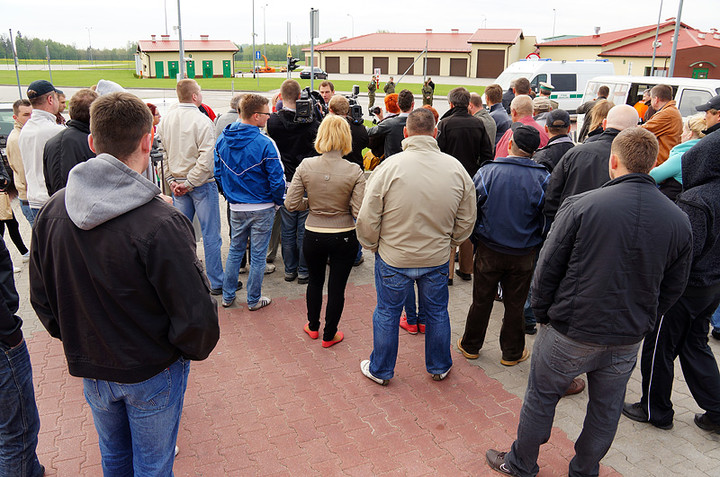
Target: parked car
[[319, 73]]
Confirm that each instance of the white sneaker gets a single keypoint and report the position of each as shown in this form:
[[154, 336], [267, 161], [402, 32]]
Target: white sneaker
[[262, 302], [365, 369], [177, 451], [440, 377], [17, 270], [269, 268]]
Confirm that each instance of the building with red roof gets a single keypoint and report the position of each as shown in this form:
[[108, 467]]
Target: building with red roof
[[631, 50], [482, 54], [204, 58]]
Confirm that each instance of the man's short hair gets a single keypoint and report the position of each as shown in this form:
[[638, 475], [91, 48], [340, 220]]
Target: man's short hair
[[235, 102], [339, 105], [494, 93], [662, 91], [459, 97], [391, 103], [118, 121], [603, 91], [636, 148], [80, 105], [522, 86], [185, 89], [420, 122], [333, 135], [251, 104], [476, 100], [36, 101], [18, 103], [522, 105], [405, 100], [290, 91], [328, 83]]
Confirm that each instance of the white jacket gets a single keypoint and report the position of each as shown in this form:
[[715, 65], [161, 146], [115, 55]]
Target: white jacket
[[40, 127]]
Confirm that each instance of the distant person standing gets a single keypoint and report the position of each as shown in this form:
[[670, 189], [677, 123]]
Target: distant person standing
[[22, 110], [586, 107], [59, 118], [189, 139], [232, 115], [372, 87], [476, 109], [427, 93], [389, 87], [493, 98]]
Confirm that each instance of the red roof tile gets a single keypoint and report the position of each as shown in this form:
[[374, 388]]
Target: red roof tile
[[497, 35], [604, 39], [160, 45], [687, 38], [401, 42]]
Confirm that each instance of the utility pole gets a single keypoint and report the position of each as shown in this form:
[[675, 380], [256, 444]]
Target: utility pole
[[17, 72], [90, 43], [289, 42], [655, 43], [314, 33], [47, 56], [181, 75], [165, 7], [255, 75], [264, 31], [675, 41]]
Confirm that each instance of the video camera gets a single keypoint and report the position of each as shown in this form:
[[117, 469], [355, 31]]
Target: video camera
[[355, 114], [305, 107]]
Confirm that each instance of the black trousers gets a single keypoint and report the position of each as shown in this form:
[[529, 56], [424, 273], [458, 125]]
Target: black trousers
[[14, 231], [341, 250], [683, 331], [514, 273]]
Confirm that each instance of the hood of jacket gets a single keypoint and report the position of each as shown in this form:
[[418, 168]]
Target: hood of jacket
[[104, 188], [455, 111], [79, 125], [700, 164], [287, 117], [238, 135]]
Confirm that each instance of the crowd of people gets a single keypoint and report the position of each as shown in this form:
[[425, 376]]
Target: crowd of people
[[565, 234]]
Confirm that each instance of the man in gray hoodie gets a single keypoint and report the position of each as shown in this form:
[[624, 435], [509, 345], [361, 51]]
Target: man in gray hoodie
[[114, 274]]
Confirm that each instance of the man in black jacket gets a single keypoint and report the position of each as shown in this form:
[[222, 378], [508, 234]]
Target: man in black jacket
[[605, 274], [392, 128], [295, 141], [557, 126], [584, 167], [70, 146], [114, 274], [683, 330]]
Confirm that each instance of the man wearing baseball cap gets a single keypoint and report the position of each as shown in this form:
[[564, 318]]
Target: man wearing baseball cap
[[36, 132], [712, 114], [557, 126], [510, 191]]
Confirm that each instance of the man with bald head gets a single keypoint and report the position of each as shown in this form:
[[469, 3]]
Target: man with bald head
[[584, 167], [521, 111]]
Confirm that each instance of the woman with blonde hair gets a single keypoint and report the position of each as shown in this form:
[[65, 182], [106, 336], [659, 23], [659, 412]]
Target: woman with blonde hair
[[596, 116], [334, 189]]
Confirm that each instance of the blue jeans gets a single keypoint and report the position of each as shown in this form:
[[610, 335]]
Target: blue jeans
[[715, 320], [19, 420], [414, 315], [203, 201], [393, 286], [138, 423], [27, 212], [293, 231], [257, 227], [34, 213], [556, 360]]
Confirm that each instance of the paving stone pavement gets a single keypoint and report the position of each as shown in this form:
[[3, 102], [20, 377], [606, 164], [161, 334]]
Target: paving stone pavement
[[270, 401]]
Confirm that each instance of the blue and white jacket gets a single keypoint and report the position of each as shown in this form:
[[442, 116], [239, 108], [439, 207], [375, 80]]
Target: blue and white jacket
[[248, 167]]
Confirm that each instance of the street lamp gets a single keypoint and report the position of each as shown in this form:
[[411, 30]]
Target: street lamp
[[264, 28], [352, 20], [554, 18], [90, 43]]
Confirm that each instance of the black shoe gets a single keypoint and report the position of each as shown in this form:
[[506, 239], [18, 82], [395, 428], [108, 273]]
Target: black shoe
[[496, 461], [303, 280], [637, 413], [290, 276], [715, 334], [218, 291], [530, 329], [450, 282], [464, 276], [704, 423]]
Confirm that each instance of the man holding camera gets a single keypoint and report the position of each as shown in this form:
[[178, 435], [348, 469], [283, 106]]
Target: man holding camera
[[392, 128], [295, 140]]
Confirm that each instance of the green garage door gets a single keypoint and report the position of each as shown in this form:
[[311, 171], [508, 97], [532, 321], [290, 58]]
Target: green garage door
[[207, 69], [227, 70], [173, 69], [190, 68], [159, 69]]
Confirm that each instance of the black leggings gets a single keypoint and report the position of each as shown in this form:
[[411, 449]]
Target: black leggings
[[12, 226], [341, 248]]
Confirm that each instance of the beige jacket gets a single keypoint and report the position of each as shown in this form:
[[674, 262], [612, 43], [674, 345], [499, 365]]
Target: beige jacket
[[188, 137], [335, 189], [418, 204], [15, 160], [34, 135]]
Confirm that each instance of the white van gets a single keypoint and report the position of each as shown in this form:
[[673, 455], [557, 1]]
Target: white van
[[567, 77], [687, 92]]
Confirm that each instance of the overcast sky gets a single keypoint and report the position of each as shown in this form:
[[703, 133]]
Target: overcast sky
[[113, 24]]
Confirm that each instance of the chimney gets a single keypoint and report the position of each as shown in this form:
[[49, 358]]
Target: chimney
[[153, 38], [597, 31], [701, 35], [455, 31], [716, 36], [165, 37], [204, 37], [428, 30]]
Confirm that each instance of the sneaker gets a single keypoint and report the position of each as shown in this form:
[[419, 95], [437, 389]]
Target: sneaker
[[26, 257], [177, 451], [303, 280], [450, 282], [365, 369], [290, 276], [637, 413], [704, 423], [312, 334], [440, 377], [243, 270], [228, 304], [269, 268], [465, 353], [530, 329], [262, 303], [421, 328], [576, 387], [513, 362], [496, 461], [412, 329], [465, 276], [339, 336], [17, 270], [218, 291]]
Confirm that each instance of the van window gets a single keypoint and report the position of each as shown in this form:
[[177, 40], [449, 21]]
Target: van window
[[564, 82], [691, 98], [535, 83]]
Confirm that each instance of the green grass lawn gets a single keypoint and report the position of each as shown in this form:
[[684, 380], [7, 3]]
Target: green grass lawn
[[88, 77]]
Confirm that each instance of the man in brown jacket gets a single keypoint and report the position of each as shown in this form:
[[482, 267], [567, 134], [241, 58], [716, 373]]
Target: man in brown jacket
[[667, 123]]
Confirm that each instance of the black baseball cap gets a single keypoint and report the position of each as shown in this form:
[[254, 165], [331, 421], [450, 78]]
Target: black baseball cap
[[526, 138], [38, 88], [558, 118], [714, 103]]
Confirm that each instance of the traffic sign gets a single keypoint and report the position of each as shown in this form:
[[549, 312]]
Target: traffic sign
[[257, 55]]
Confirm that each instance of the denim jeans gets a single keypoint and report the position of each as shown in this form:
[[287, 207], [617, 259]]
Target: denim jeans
[[203, 200], [19, 420], [556, 360], [27, 212], [414, 314], [293, 231], [34, 213], [715, 320], [138, 423], [393, 286], [255, 226]]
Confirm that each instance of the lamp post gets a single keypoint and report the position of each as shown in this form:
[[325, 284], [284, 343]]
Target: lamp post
[[181, 46], [352, 22], [90, 44], [554, 18], [264, 30], [656, 43]]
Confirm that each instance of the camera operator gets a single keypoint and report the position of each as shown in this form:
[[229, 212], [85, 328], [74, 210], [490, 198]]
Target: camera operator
[[391, 129], [340, 106]]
